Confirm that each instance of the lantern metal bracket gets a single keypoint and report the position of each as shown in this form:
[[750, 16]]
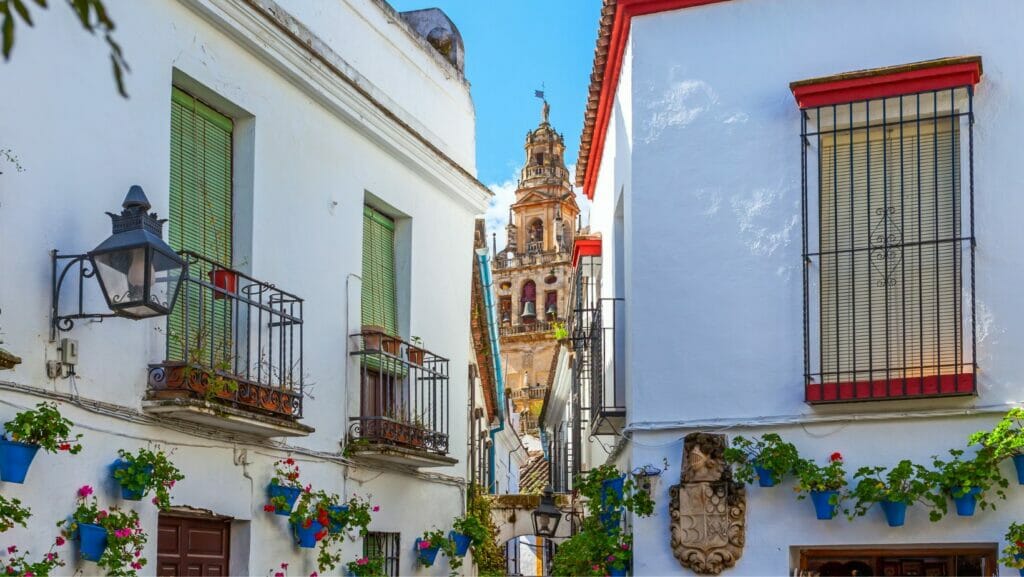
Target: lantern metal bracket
[[86, 270]]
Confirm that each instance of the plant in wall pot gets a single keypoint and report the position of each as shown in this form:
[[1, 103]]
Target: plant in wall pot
[[429, 545], [144, 471], [467, 530], [969, 481], [349, 518], [767, 459], [17, 563], [1013, 553], [366, 567], [113, 537], [822, 483], [1005, 440], [284, 487], [40, 428], [893, 491], [308, 521], [416, 351], [12, 513]]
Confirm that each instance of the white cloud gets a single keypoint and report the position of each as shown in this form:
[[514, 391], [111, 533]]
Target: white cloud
[[496, 215]]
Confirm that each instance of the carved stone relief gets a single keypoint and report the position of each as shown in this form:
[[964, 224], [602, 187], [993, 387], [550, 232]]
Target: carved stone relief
[[707, 508]]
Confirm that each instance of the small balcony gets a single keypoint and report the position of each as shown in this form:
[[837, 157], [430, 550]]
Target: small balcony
[[533, 256], [404, 413], [599, 364], [233, 357], [523, 329]]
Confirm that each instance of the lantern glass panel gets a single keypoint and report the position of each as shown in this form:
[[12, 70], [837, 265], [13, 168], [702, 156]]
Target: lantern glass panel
[[123, 276], [166, 275]]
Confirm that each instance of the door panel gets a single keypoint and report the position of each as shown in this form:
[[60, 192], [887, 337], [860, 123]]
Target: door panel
[[193, 547]]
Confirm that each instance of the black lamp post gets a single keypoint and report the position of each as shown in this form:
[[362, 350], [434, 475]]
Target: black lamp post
[[137, 271], [546, 516]]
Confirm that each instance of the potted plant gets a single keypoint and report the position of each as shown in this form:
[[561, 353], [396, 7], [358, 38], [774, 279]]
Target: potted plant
[[822, 483], [221, 276], [416, 352], [12, 513], [113, 538], [146, 471], [968, 481], [895, 490], [40, 428], [1013, 553], [284, 487], [18, 564], [1005, 440], [349, 518], [308, 521], [366, 567], [467, 530], [767, 459], [224, 279], [372, 336], [428, 546], [617, 562]]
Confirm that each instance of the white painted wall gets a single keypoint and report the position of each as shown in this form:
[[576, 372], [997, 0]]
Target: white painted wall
[[704, 143], [315, 153]]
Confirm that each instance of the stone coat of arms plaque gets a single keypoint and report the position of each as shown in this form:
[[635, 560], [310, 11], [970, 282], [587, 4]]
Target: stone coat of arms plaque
[[707, 508]]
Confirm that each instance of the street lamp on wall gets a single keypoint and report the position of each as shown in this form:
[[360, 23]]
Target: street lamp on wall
[[546, 516], [137, 271]]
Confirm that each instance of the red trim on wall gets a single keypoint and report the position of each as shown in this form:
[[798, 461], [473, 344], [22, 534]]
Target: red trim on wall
[[915, 387], [625, 11], [839, 90], [585, 247]]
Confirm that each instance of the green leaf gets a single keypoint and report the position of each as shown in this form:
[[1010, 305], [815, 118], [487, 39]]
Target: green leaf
[[8, 32], [22, 11]]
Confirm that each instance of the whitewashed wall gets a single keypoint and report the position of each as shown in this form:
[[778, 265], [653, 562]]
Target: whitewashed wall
[[704, 143], [311, 158]]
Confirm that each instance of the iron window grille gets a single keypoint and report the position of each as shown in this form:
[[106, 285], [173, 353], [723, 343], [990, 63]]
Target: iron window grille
[[888, 246], [384, 546]]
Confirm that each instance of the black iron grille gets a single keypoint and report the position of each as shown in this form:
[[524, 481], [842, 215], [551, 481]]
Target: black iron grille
[[383, 546], [888, 244]]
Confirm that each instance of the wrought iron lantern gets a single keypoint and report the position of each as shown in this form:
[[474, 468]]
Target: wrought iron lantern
[[546, 516], [138, 272]]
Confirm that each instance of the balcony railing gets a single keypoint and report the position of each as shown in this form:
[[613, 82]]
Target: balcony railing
[[404, 395], [530, 259], [510, 330], [233, 340], [598, 364]]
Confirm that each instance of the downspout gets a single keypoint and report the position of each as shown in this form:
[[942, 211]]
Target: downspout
[[499, 378]]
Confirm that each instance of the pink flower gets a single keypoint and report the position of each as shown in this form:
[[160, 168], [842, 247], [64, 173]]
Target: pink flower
[[835, 457], [624, 546], [123, 533], [308, 489], [136, 566], [279, 574], [154, 500], [424, 544], [12, 550], [362, 561], [60, 541], [314, 574], [284, 565], [171, 483], [596, 567], [84, 491], [29, 574], [50, 556], [138, 553], [101, 515], [610, 559], [376, 508]]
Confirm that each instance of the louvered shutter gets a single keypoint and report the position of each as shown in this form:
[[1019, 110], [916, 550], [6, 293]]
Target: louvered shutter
[[379, 306], [200, 220], [890, 279]]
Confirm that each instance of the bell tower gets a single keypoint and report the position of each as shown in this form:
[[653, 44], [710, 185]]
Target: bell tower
[[531, 273]]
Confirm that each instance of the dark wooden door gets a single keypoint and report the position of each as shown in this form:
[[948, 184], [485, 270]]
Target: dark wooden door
[[192, 547]]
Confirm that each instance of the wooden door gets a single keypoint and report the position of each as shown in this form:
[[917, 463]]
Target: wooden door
[[189, 546]]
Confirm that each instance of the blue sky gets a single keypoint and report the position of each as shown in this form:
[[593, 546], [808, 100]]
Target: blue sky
[[512, 46]]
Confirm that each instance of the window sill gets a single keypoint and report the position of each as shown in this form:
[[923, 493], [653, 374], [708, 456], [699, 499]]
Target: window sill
[[910, 388]]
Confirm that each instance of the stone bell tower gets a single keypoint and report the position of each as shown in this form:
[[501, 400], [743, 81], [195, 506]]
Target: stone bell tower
[[531, 273]]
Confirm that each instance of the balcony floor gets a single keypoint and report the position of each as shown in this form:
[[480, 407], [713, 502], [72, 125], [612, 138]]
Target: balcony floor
[[218, 416], [390, 454]]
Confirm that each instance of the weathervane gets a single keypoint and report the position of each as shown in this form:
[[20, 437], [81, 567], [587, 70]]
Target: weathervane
[[547, 108]]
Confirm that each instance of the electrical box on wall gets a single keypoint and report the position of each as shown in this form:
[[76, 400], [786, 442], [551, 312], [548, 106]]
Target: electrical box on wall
[[68, 351]]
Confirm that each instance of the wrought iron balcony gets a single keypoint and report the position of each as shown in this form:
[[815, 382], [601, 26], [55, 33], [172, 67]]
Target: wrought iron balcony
[[530, 259], [233, 353], [404, 407], [511, 330], [599, 362]]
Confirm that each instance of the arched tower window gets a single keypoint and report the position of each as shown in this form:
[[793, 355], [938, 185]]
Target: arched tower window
[[536, 230], [528, 302]]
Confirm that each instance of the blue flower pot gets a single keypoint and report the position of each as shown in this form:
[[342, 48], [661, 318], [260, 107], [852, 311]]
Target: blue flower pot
[[895, 512], [15, 459], [289, 493], [306, 536], [965, 505], [616, 572], [765, 477], [1018, 463], [823, 506], [92, 541], [462, 543], [612, 515], [1020, 558], [426, 556], [126, 493], [337, 526]]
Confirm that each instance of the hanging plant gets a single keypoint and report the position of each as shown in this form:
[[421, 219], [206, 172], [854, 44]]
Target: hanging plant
[[366, 567], [113, 537], [467, 530], [428, 546], [767, 459], [1013, 553], [17, 563], [308, 521], [823, 484], [341, 518], [1005, 440], [40, 428], [488, 556], [12, 513], [895, 490], [969, 482], [146, 471], [284, 487]]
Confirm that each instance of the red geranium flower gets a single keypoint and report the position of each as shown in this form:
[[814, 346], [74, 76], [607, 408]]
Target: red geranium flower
[[289, 461], [268, 508], [835, 457]]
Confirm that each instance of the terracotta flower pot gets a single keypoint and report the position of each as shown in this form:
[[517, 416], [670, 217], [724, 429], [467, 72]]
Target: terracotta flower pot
[[223, 279], [416, 355]]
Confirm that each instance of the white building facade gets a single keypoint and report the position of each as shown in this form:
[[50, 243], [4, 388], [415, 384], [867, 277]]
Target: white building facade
[[283, 141], [806, 215]]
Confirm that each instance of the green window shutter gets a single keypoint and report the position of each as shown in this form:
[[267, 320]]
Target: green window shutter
[[200, 219], [379, 306]]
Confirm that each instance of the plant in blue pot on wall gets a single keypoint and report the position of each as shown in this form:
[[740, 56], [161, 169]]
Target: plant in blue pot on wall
[[1005, 441], [767, 459], [144, 471], [823, 484], [428, 546], [1013, 553], [113, 538], [40, 428], [285, 487], [970, 482], [894, 490]]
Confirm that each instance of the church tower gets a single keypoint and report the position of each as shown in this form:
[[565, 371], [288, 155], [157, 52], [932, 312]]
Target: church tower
[[532, 272]]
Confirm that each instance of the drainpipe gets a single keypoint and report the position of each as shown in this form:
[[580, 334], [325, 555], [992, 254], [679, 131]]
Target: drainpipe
[[499, 377]]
